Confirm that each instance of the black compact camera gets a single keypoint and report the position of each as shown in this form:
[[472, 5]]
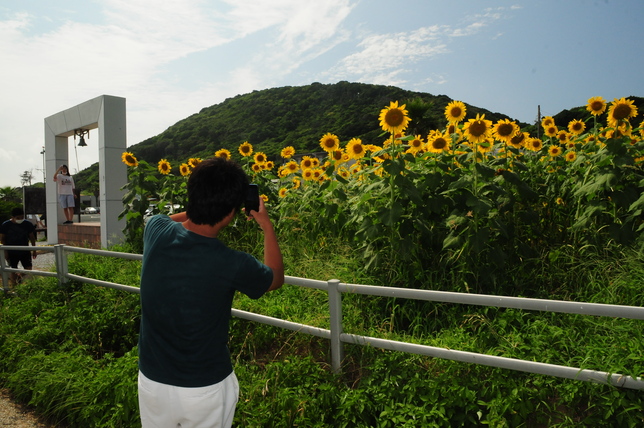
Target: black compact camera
[[252, 199]]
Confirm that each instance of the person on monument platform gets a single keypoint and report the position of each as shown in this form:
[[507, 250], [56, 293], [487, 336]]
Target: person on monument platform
[[65, 192]]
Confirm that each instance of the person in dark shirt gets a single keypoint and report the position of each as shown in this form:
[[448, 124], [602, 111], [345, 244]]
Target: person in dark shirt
[[17, 231], [188, 280]]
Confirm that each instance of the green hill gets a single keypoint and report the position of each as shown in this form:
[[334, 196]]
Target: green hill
[[293, 116], [272, 119]]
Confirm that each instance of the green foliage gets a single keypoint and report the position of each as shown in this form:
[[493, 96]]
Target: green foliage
[[70, 352]]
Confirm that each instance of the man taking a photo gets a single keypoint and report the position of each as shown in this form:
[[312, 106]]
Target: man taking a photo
[[188, 281]]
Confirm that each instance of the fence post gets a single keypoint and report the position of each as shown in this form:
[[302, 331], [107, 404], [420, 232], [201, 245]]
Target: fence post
[[5, 274], [335, 314], [61, 263]]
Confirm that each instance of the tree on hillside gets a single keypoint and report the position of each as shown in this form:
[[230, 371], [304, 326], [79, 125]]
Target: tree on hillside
[[417, 110]]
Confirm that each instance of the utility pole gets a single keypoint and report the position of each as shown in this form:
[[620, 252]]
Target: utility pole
[[44, 178], [539, 121]]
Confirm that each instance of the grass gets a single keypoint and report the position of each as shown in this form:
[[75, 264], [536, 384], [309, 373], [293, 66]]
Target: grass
[[71, 352]]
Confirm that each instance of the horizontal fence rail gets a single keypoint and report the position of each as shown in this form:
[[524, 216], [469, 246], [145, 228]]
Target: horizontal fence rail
[[337, 337]]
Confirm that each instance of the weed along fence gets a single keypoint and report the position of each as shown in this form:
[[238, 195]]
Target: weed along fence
[[338, 337]]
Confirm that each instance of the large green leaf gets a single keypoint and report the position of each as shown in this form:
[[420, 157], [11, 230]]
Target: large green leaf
[[389, 216]]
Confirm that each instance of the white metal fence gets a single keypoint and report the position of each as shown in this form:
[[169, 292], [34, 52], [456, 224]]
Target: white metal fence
[[338, 337]]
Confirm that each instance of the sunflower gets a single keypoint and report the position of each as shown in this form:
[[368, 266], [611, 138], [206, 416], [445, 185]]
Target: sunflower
[[551, 131], [416, 145], [641, 128], [437, 142], [245, 149], [306, 163], [393, 118], [164, 167], [269, 165], [485, 146], [621, 110], [590, 139], [504, 130], [596, 106], [291, 166], [315, 162], [329, 142], [547, 121], [559, 201], [554, 151], [264, 197], [455, 112], [129, 159], [477, 130], [355, 149], [223, 153], [343, 172], [518, 140], [317, 173], [287, 152], [371, 148], [621, 130], [576, 127], [307, 174], [533, 144], [283, 191], [455, 132], [570, 156], [256, 167], [563, 136], [193, 162], [296, 183], [282, 172], [336, 155], [260, 158], [184, 169]]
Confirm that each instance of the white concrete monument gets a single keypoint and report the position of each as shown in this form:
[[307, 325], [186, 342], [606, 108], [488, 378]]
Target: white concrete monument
[[107, 113]]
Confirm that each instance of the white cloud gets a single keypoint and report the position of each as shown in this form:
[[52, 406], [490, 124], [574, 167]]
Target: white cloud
[[300, 31], [382, 55], [387, 58]]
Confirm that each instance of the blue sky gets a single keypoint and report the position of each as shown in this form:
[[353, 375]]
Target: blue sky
[[171, 59]]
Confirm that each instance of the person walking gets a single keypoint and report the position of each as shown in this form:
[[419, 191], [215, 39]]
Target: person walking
[[17, 231], [188, 280], [65, 192]]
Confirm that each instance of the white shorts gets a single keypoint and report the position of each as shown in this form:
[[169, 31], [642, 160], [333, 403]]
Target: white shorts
[[66, 201], [170, 406]]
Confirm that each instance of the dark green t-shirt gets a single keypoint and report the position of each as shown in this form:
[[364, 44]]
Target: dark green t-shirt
[[187, 287]]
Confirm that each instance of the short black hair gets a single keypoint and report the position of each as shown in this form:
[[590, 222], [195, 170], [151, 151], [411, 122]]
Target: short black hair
[[17, 211], [216, 187]]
